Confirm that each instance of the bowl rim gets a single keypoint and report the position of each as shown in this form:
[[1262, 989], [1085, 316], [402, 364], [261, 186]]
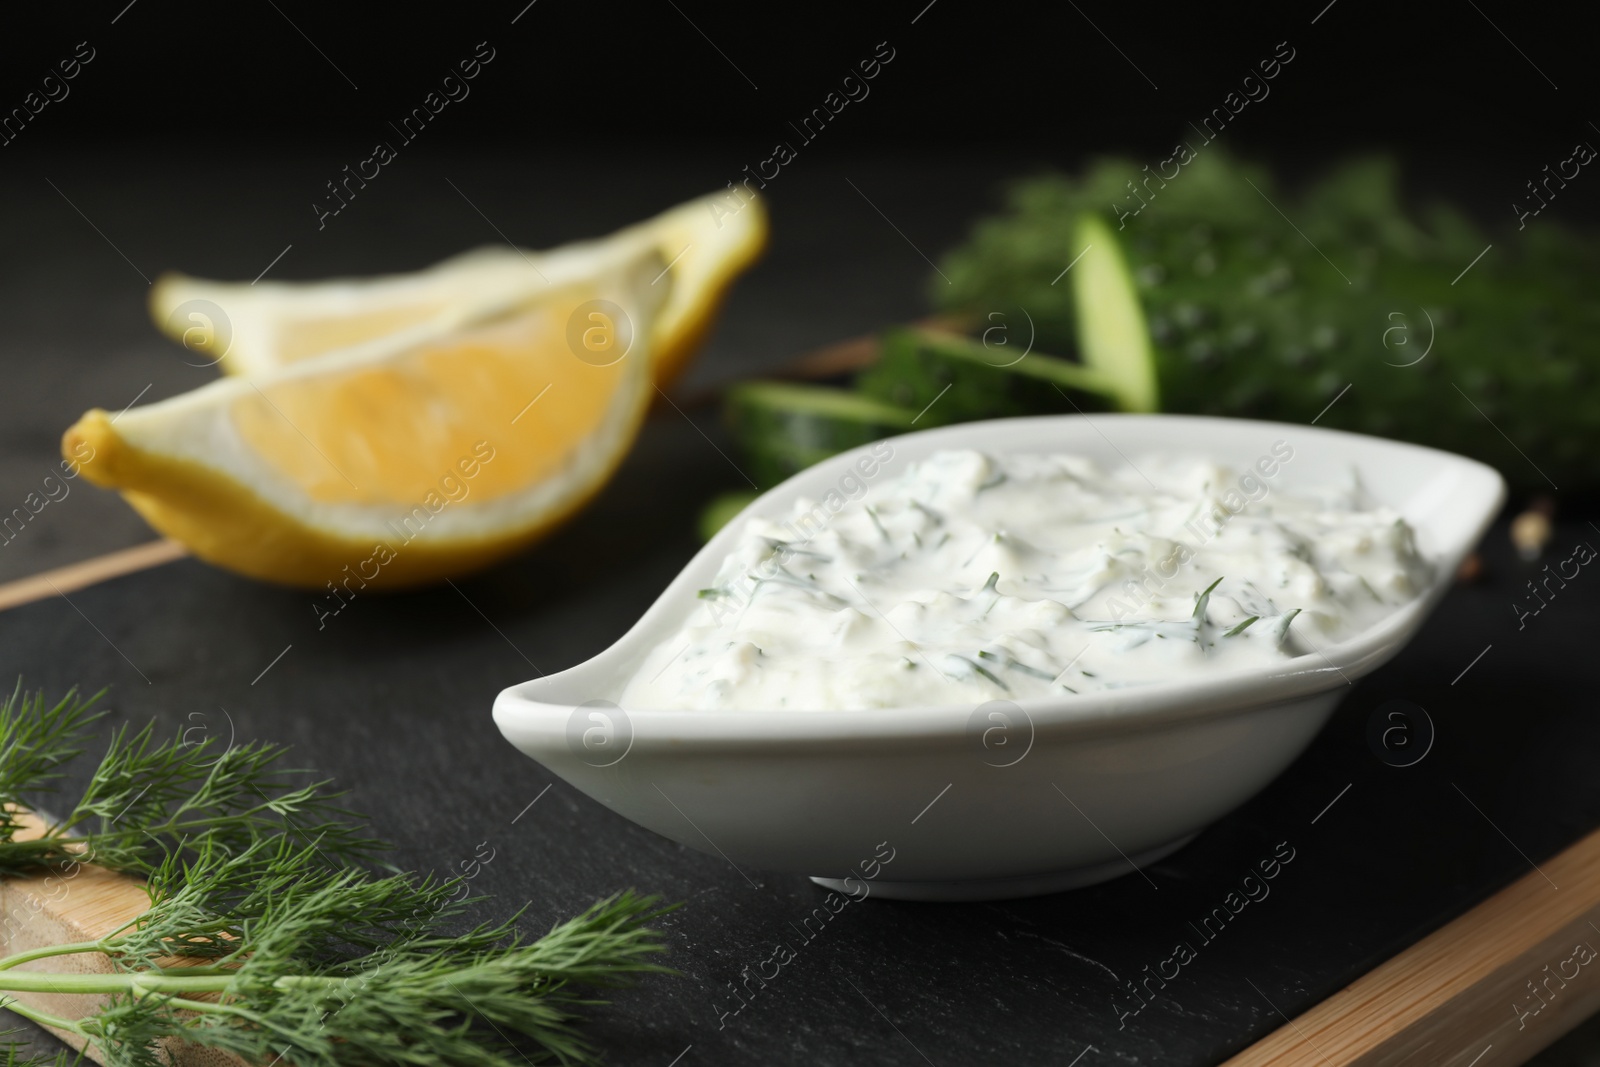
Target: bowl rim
[[534, 723]]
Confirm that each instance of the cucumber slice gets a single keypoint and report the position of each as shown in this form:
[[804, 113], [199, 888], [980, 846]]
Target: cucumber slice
[[945, 378], [1112, 335], [784, 428]]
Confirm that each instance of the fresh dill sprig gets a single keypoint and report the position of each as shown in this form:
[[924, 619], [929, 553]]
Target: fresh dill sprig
[[304, 970], [266, 939], [34, 743], [148, 797], [14, 1053]]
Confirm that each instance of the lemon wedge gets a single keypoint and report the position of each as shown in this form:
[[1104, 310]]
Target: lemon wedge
[[253, 328], [404, 460]]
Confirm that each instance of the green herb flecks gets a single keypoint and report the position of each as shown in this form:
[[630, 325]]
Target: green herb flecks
[[1010, 664], [790, 548], [1203, 600], [784, 576], [1283, 625], [872, 513], [1199, 620], [1242, 627], [991, 588], [972, 667]]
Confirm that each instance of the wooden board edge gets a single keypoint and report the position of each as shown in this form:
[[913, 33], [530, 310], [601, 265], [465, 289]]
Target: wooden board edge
[[74, 902], [88, 572], [1494, 986]]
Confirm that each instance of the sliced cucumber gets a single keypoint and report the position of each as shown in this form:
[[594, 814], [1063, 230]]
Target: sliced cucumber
[[783, 428], [944, 378], [1112, 335]]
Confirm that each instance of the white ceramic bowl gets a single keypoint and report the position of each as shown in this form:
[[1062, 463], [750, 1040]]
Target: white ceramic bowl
[[1069, 791]]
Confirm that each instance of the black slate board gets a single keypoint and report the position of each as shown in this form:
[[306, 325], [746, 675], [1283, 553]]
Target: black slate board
[[392, 698]]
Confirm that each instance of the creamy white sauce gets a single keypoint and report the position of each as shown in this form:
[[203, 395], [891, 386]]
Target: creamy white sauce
[[971, 578]]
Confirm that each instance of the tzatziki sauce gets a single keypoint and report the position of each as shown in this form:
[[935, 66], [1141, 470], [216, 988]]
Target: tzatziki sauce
[[971, 577]]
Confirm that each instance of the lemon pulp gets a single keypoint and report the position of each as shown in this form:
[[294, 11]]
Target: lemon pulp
[[513, 387]]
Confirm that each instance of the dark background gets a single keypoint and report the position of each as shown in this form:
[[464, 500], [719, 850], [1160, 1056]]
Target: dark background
[[1009, 80], [199, 137]]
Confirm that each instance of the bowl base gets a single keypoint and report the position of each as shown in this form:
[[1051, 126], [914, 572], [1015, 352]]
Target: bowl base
[[1023, 885]]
